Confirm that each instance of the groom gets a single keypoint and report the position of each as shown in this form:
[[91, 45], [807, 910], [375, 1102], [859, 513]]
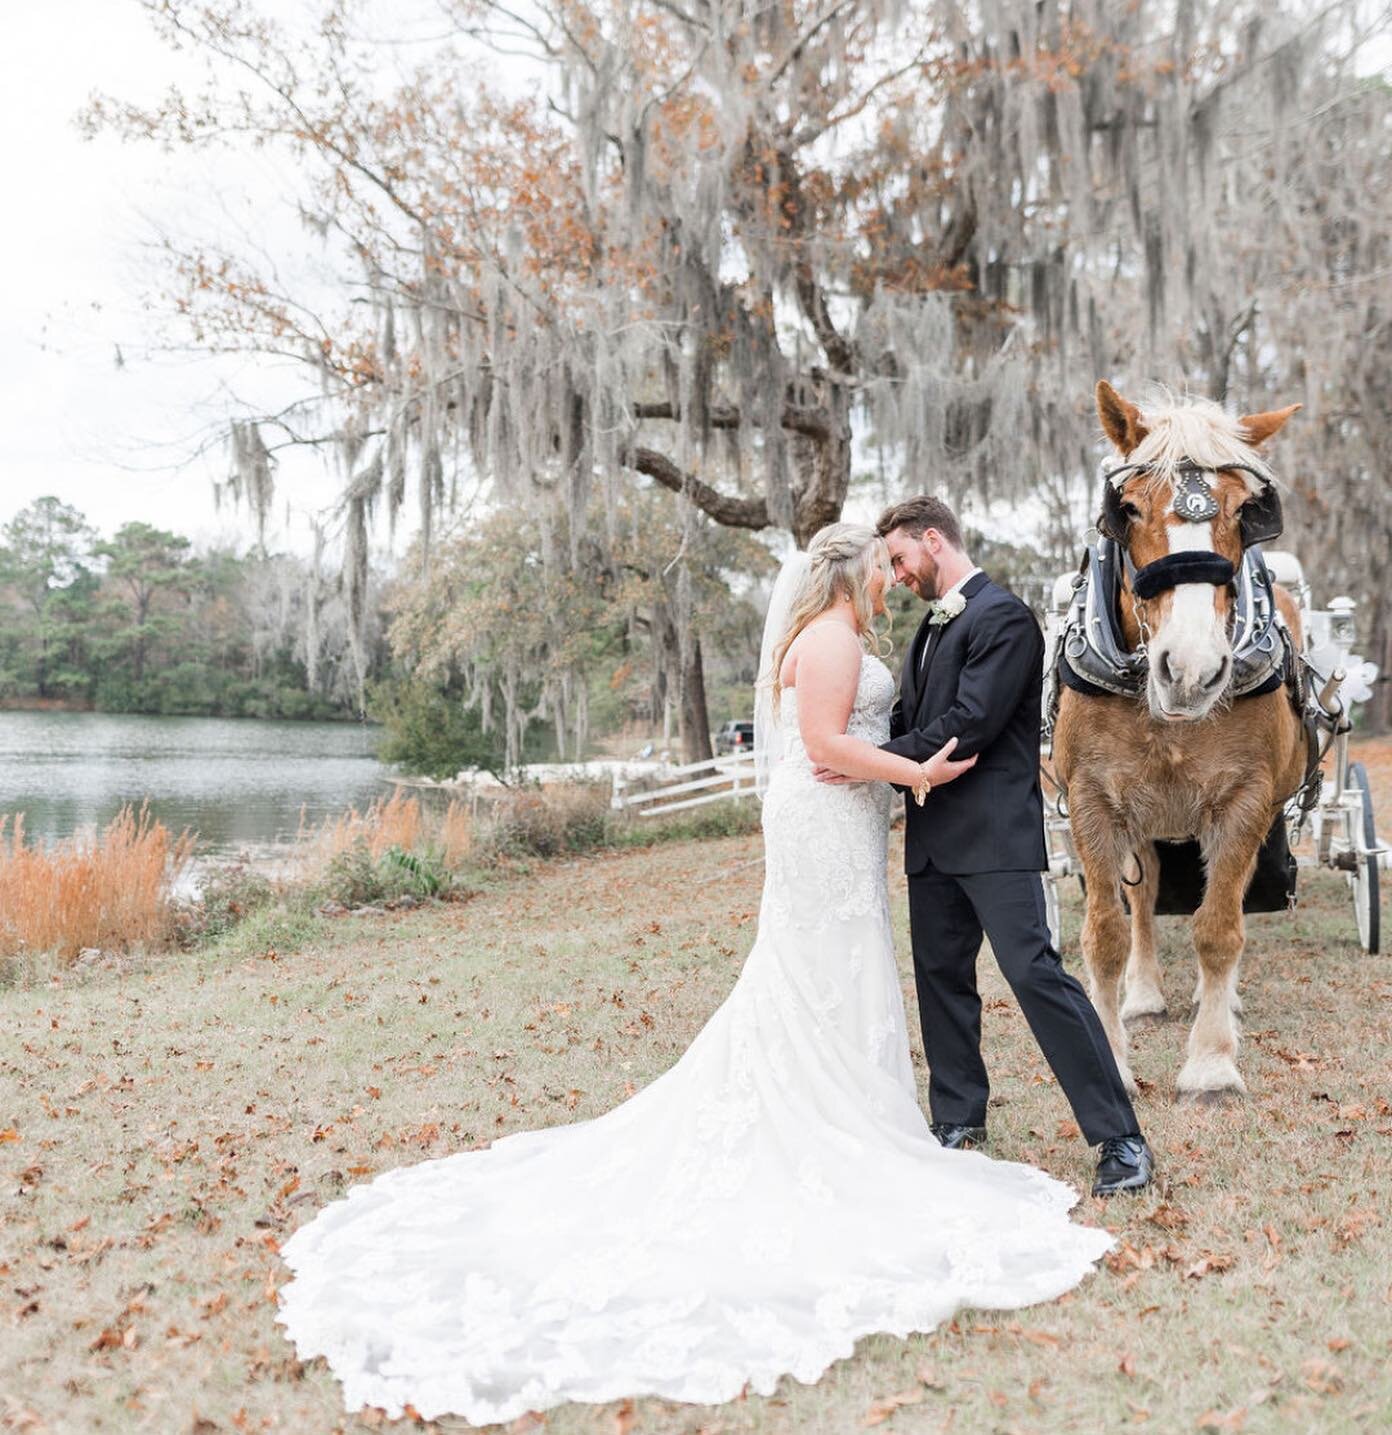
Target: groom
[[973, 852]]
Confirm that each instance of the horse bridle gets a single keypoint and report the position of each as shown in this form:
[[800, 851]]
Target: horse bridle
[[1259, 521]]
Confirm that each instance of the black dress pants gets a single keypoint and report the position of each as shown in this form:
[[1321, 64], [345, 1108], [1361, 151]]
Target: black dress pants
[[947, 916]]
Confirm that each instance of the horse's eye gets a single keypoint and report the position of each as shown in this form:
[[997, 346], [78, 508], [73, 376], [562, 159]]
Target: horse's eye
[[1130, 509]]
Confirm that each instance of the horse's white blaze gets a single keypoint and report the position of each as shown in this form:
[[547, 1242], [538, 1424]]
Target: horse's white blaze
[[1191, 635]]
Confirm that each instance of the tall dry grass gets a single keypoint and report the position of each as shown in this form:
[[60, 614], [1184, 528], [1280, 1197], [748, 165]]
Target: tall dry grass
[[395, 821], [456, 832], [111, 891]]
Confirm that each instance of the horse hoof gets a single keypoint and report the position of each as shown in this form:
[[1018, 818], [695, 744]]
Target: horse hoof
[[1211, 1076], [1146, 1016], [1228, 1096]]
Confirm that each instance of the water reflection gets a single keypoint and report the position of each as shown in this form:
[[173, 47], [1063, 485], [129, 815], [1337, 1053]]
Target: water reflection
[[238, 782]]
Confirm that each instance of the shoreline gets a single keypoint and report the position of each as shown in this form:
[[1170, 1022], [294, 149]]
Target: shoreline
[[67, 705]]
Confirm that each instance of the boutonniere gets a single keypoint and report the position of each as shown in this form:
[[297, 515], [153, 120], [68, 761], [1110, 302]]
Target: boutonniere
[[944, 610]]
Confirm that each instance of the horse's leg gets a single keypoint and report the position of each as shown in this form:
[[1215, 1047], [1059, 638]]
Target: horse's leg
[[1230, 851], [1234, 996], [1104, 935], [1145, 993]]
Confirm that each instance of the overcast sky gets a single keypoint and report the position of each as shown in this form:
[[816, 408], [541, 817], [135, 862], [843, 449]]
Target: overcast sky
[[116, 441]]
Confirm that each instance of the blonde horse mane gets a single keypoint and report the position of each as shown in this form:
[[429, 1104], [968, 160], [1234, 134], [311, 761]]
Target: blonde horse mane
[[1197, 429]]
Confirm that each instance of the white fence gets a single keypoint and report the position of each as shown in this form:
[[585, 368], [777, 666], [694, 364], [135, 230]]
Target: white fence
[[723, 778]]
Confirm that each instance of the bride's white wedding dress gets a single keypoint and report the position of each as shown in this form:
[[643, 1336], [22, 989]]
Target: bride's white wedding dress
[[767, 1201]]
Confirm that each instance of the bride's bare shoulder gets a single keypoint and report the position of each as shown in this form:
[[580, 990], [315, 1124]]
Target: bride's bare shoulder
[[828, 651]]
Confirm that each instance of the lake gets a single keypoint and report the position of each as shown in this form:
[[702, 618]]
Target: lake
[[238, 782]]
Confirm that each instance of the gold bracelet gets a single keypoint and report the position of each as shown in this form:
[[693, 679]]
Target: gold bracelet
[[922, 788]]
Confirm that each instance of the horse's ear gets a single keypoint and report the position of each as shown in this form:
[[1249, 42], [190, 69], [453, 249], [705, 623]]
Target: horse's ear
[[1121, 419], [1260, 427]]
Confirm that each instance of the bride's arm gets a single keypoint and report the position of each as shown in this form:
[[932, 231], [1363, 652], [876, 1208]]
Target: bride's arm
[[828, 673]]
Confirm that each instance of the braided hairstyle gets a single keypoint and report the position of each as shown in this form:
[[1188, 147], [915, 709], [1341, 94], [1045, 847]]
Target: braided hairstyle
[[843, 556]]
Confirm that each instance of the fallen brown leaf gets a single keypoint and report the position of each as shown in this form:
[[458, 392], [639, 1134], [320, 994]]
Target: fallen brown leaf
[[1209, 1262], [1233, 1419], [1168, 1218], [880, 1410], [1321, 1376]]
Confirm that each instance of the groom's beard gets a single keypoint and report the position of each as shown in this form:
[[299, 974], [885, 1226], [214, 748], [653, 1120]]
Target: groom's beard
[[927, 581]]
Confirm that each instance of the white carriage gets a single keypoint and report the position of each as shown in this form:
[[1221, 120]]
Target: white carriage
[[1339, 820]]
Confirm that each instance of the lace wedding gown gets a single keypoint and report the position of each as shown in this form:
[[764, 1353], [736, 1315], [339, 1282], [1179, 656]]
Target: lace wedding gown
[[770, 1199]]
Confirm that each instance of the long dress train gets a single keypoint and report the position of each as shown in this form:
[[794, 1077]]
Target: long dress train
[[771, 1198]]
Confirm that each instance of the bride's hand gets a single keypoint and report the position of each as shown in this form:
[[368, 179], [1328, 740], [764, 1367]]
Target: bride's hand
[[941, 768]]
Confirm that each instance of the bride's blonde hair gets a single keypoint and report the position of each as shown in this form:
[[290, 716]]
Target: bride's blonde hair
[[843, 557]]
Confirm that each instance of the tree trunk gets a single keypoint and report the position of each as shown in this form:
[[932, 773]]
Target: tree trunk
[[823, 470], [695, 718]]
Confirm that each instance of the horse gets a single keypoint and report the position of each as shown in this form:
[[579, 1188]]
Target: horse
[[1184, 757]]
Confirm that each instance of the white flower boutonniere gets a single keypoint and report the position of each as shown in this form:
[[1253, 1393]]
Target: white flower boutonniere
[[944, 610]]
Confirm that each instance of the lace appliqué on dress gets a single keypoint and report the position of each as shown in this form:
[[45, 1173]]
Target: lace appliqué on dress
[[825, 844]]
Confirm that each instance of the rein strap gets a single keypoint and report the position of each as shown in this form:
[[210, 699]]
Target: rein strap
[[1183, 567]]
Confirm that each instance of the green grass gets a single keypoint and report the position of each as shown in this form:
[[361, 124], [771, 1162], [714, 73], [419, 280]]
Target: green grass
[[175, 1119]]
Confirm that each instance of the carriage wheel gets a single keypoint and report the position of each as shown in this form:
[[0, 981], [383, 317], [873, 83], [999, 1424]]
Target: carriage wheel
[[1364, 877]]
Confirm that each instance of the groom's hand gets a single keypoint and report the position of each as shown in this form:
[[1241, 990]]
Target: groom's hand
[[829, 774]]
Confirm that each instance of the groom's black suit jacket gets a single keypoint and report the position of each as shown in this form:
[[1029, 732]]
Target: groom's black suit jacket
[[981, 683]]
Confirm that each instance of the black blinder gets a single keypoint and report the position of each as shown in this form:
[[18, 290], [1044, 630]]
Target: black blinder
[[1259, 519], [1114, 522]]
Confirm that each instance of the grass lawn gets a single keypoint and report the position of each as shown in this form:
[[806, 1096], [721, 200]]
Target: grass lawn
[[164, 1126]]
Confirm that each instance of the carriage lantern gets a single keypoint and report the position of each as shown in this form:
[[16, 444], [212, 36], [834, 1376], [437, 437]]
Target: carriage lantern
[[1342, 627]]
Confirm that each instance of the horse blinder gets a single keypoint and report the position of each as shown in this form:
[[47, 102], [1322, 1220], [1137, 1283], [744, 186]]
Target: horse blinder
[[1114, 521], [1260, 519]]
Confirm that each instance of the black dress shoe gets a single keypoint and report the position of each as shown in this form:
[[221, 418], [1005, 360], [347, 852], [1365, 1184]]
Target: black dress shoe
[[1125, 1163], [958, 1138]]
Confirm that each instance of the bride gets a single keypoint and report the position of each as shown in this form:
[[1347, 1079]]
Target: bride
[[766, 1202]]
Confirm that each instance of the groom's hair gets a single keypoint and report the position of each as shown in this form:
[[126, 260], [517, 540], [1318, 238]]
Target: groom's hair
[[915, 515]]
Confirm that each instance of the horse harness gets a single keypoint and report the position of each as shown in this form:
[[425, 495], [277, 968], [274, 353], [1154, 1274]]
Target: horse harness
[[1092, 657]]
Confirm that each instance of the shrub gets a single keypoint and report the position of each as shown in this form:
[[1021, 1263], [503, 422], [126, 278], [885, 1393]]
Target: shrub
[[351, 876], [355, 878], [394, 849], [227, 894], [548, 821], [432, 733], [420, 873]]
